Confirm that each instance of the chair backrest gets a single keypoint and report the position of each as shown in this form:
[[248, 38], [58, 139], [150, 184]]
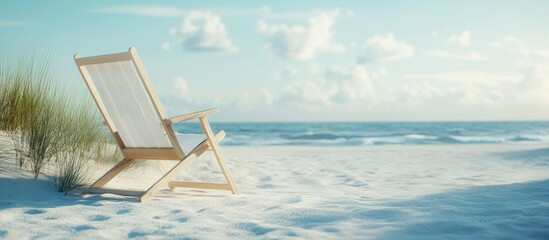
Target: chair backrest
[[125, 97]]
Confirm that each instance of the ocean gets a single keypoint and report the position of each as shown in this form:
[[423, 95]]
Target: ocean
[[376, 133]]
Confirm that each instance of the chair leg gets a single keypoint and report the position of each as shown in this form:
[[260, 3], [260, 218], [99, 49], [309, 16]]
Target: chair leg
[[110, 174], [162, 182], [217, 152]]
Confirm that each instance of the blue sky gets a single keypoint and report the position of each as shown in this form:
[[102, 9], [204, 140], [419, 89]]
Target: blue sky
[[311, 60]]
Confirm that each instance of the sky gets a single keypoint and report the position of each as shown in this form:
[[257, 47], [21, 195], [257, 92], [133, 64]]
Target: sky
[[288, 61]]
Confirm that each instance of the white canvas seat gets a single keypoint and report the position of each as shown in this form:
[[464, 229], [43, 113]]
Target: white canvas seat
[[132, 111], [189, 142]]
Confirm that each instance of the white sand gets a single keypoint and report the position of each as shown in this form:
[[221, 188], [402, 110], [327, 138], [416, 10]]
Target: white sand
[[380, 192]]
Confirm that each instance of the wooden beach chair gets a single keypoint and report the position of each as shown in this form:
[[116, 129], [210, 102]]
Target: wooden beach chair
[[134, 115]]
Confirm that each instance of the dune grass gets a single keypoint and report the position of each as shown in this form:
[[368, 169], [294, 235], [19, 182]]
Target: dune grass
[[49, 124], [28, 114], [71, 170]]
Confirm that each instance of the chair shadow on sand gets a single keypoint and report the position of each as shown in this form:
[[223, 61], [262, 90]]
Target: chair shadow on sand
[[41, 194]]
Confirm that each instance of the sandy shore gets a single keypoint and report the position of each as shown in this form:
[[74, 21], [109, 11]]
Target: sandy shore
[[373, 192]]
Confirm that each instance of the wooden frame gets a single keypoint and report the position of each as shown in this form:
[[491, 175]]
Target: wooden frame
[[173, 153]]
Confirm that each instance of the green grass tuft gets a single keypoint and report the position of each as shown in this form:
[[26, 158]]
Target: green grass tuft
[[49, 124]]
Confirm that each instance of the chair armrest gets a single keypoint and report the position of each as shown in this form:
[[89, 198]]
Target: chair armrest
[[190, 116]]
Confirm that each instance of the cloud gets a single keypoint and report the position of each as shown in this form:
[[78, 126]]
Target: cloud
[[415, 92], [534, 86], [173, 31], [340, 85], [474, 56], [473, 96], [203, 31], [303, 93], [302, 42], [349, 13], [286, 73], [470, 88], [177, 98], [245, 102], [515, 45], [142, 10], [385, 47], [249, 101], [464, 77], [463, 39], [263, 12], [536, 76], [166, 46], [167, 11], [353, 83], [507, 42], [464, 94], [268, 97], [533, 64], [382, 72], [181, 88]]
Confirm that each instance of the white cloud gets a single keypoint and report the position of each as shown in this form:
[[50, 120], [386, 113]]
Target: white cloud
[[167, 11], [151, 11], [385, 47], [256, 100], [463, 39], [434, 34], [269, 97], [513, 44], [302, 42], [166, 46], [173, 31], [464, 94], [245, 102], [473, 96], [536, 76], [472, 55], [266, 12], [177, 98], [534, 87], [203, 31], [507, 42], [181, 88], [286, 73], [353, 83], [349, 13], [533, 64], [414, 93], [340, 85], [303, 93], [471, 88], [464, 77], [382, 72]]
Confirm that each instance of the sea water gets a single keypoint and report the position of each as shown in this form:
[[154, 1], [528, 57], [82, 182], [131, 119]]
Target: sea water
[[377, 133]]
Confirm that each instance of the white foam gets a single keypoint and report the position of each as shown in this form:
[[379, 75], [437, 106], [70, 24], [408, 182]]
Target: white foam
[[420, 137]]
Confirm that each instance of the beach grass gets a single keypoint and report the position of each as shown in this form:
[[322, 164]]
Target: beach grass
[[71, 170], [47, 123], [28, 114]]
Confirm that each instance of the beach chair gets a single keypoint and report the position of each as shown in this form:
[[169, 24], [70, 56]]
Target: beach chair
[[134, 115]]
